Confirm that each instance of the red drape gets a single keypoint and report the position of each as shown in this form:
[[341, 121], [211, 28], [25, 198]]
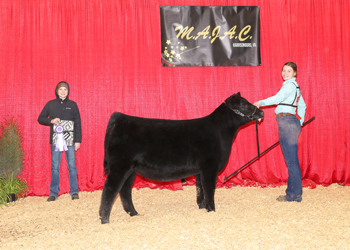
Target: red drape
[[109, 53]]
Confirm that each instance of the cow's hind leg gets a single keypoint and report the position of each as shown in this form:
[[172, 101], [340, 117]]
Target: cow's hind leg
[[110, 191], [113, 184], [125, 195], [200, 194]]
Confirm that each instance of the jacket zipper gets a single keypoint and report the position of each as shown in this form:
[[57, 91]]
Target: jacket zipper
[[62, 114]]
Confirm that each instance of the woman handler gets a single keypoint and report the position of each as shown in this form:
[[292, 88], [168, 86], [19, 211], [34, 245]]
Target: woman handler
[[290, 115]]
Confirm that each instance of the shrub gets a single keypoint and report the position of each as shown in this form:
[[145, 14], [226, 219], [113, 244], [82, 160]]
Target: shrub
[[11, 149]]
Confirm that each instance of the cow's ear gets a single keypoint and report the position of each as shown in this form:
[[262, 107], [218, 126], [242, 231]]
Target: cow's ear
[[239, 94]]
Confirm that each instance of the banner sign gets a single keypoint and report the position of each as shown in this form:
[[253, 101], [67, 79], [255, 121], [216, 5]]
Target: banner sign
[[210, 36]]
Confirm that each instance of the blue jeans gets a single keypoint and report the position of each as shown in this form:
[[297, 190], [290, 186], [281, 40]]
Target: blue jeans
[[288, 131], [55, 170]]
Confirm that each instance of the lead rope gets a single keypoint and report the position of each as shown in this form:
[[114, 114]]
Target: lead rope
[[259, 155], [257, 137]]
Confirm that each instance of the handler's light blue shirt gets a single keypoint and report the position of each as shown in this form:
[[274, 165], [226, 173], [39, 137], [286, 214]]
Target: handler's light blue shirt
[[287, 95]]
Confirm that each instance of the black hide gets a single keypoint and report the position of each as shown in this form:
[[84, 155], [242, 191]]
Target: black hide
[[165, 150]]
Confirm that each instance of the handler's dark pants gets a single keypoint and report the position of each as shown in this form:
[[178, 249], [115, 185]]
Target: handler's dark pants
[[288, 131]]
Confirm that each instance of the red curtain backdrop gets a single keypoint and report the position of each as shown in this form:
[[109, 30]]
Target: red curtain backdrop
[[109, 53]]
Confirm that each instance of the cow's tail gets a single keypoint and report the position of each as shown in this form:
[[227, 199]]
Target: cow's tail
[[110, 127]]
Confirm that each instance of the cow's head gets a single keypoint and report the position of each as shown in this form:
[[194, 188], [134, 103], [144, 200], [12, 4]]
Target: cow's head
[[241, 107]]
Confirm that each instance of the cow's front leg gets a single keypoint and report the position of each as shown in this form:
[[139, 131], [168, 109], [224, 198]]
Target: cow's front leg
[[208, 180], [125, 195], [200, 195]]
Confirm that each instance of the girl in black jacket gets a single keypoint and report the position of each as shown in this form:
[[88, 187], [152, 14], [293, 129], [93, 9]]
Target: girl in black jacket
[[55, 111]]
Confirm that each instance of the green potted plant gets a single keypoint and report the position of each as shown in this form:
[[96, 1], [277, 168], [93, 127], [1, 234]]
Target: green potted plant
[[11, 161], [11, 187]]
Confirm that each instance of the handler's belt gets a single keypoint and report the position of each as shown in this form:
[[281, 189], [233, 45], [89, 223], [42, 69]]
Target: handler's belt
[[283, 114]]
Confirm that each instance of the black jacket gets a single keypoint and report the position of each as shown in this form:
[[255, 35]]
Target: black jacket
[[65, 110]]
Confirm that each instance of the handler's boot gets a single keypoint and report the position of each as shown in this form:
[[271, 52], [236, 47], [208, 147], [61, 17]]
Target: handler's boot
[[51, 198], [75, 196]]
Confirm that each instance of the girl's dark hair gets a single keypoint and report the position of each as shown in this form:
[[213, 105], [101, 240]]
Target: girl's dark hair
[[293, 66]]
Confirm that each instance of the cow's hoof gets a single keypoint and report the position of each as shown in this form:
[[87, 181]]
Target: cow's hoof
[[210, 210], [104, 221], [133, 213]]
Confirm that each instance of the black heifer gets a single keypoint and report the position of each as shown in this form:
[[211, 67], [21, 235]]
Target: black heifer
[[166, 150]]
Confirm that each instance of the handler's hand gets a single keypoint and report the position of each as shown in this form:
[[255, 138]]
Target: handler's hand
[[257, 104], [76, 146], [56, 121]]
